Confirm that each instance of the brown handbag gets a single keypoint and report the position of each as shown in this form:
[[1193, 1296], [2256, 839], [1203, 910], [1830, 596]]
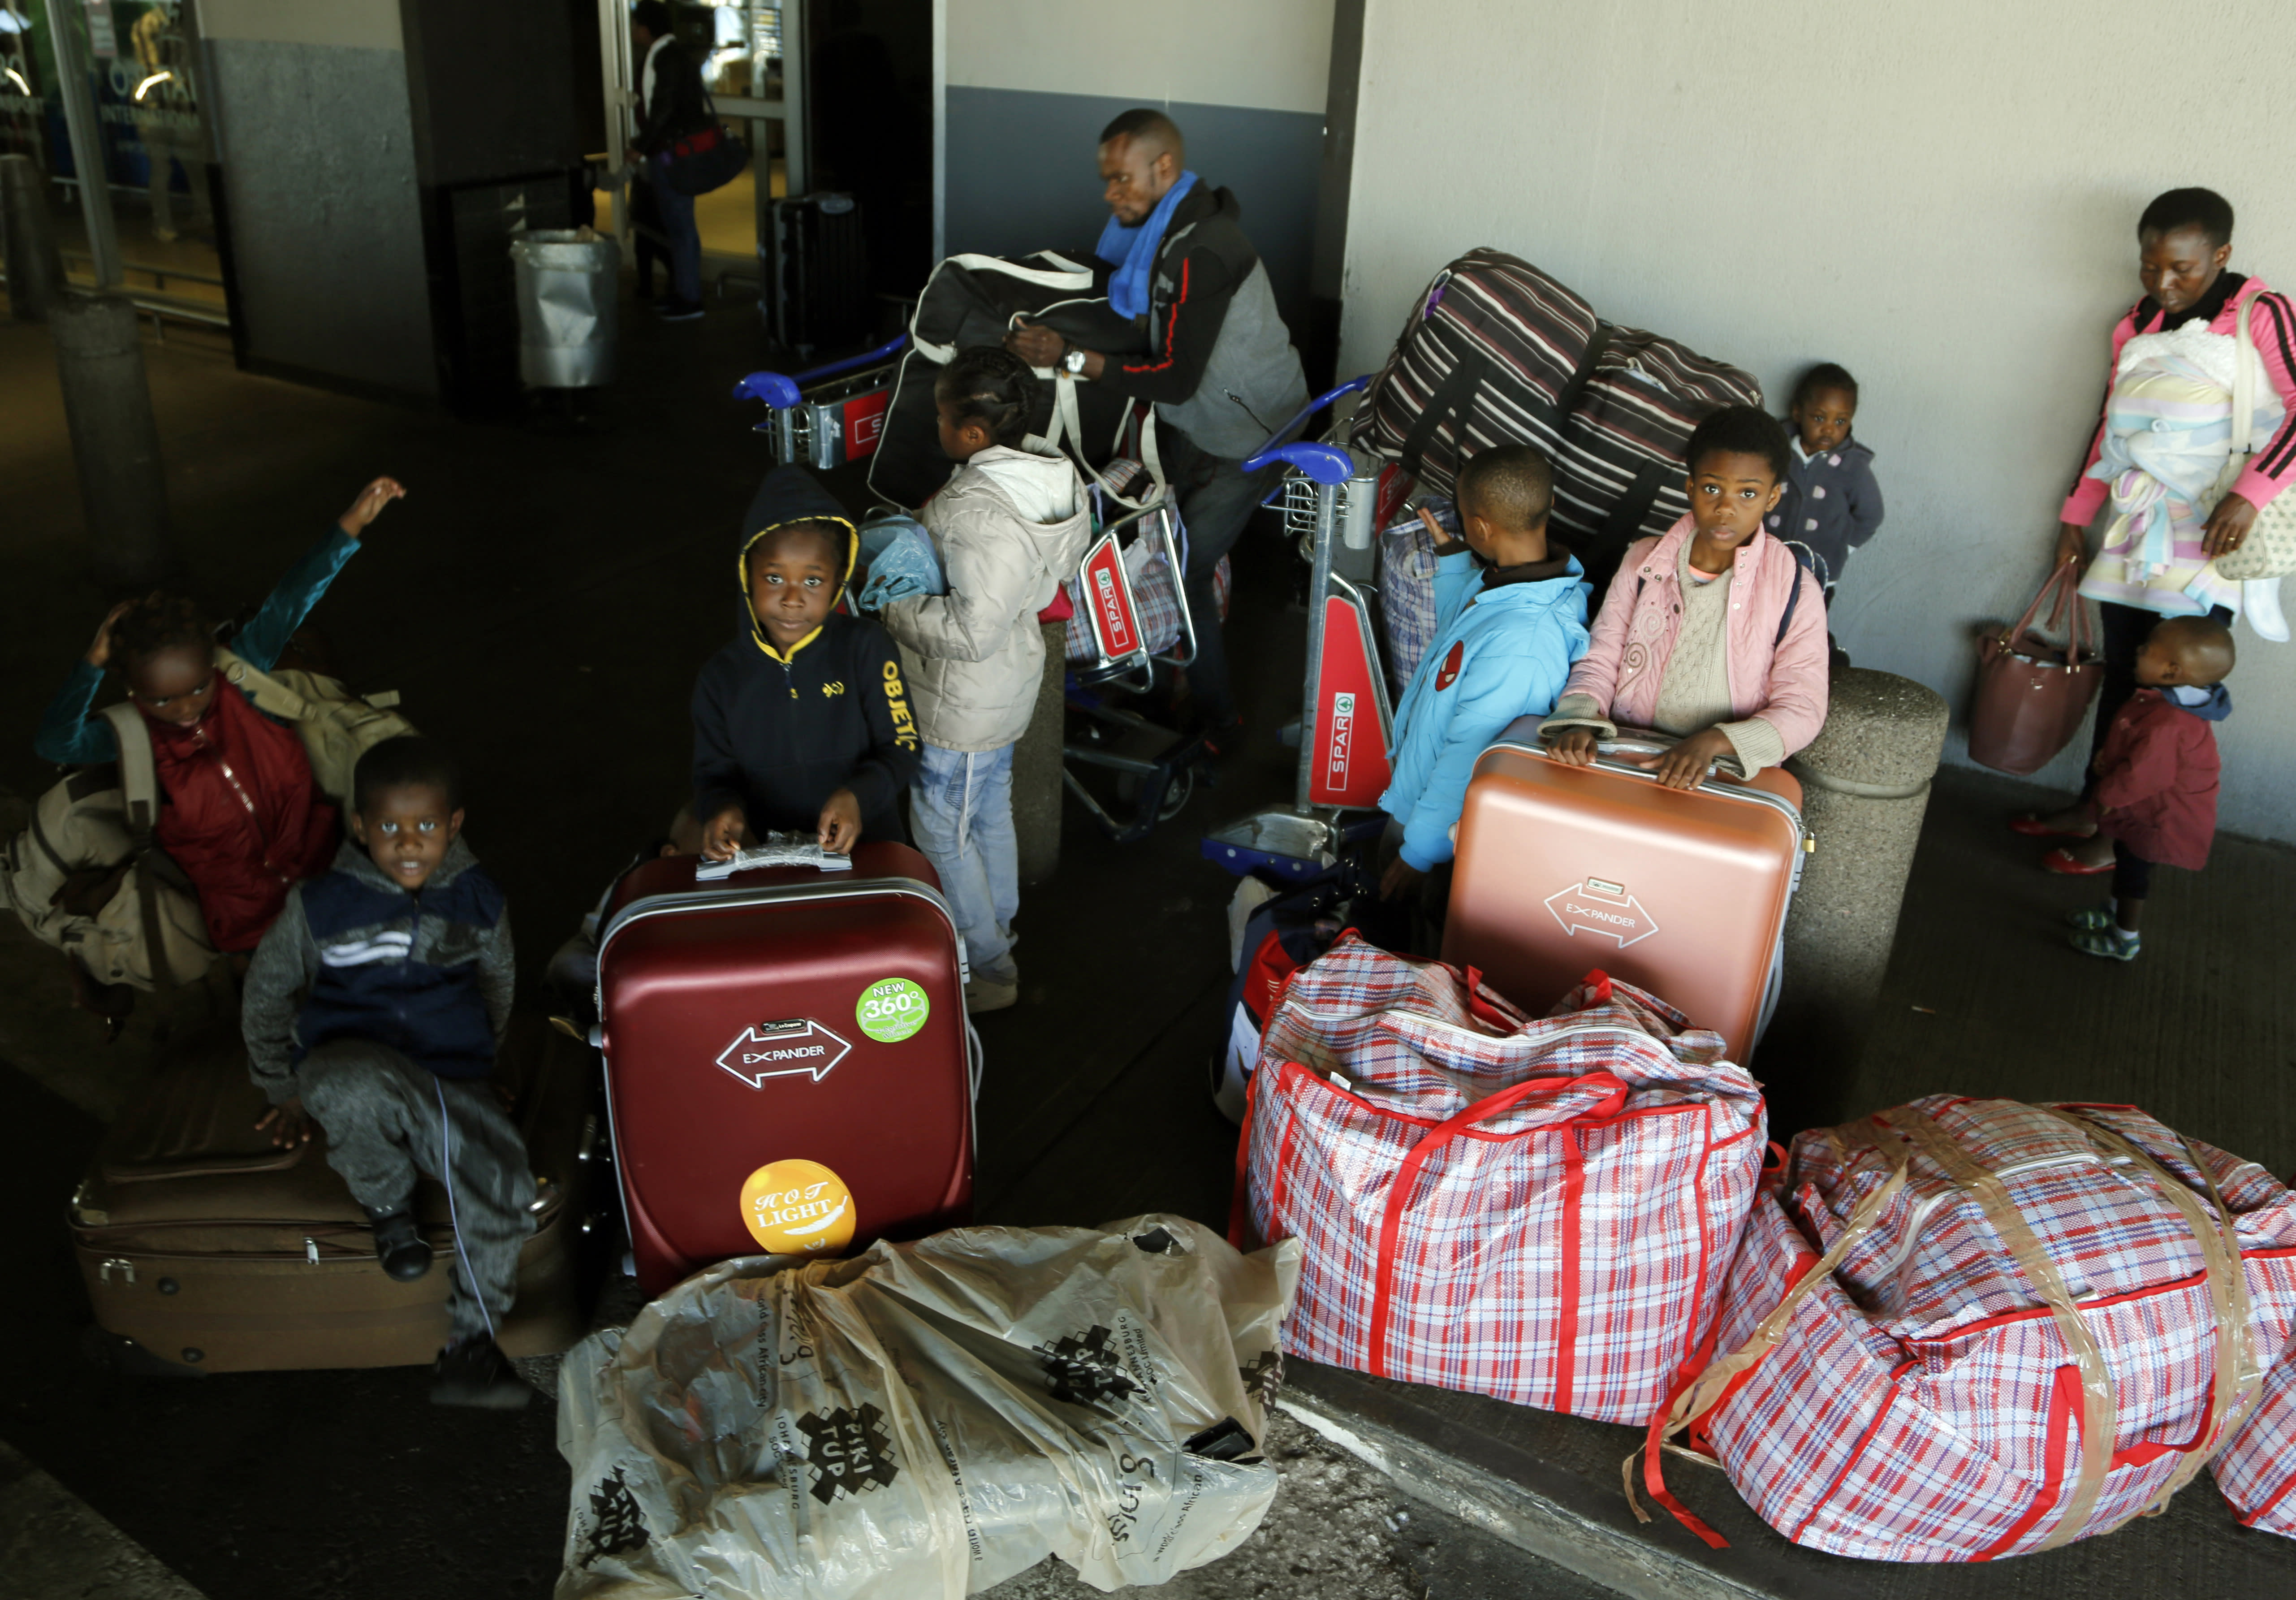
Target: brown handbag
[[2032, 695]]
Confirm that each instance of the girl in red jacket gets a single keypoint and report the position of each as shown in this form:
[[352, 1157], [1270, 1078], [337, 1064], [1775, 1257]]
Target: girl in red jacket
[[2156, 775]]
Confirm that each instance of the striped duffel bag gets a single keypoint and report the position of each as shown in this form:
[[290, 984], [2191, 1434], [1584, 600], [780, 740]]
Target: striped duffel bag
[[2030, 1324], [1540, 1210], [1498, 352]]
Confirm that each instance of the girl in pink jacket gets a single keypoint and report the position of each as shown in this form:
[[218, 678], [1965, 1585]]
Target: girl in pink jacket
[[1711, 632]]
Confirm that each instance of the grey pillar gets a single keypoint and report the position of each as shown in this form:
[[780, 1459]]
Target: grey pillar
[[36, 271], [1865, 784], [1037, 767], [115, 442]]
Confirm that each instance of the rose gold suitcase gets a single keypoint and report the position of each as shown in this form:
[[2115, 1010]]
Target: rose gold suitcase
[[1684, 892]]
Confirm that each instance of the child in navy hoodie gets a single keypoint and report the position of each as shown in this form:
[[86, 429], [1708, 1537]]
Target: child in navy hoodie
[[372, 1008], [2157, 775], [801, 724]]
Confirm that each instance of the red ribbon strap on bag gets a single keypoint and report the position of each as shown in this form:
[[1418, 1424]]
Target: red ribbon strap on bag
[[1407, 1177]]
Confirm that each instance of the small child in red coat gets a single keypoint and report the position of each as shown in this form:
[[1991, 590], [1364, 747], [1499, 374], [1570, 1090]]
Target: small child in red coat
[[2156, 777]]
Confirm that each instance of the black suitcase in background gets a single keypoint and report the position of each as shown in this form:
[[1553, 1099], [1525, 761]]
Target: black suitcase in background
[[814, 263]]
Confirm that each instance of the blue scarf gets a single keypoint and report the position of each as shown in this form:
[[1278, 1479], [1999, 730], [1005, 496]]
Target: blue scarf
[[1132, 251]]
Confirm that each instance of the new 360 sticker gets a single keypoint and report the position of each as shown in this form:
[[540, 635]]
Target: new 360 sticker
[[891, 1009]]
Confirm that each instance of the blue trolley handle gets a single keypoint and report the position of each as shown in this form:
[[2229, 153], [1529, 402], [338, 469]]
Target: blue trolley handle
[[1324, 464], [781, 392]]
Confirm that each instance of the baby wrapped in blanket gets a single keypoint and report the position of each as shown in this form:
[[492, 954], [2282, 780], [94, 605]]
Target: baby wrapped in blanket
[[2165, 456]]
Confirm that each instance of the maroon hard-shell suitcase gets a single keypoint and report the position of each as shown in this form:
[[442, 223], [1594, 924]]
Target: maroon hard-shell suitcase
[[1680, 892], [771, 1016]]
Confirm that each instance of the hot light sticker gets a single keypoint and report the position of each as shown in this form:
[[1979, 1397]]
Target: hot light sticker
[[797, 1208]]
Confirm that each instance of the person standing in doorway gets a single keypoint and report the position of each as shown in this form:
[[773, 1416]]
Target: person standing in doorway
[[1220, 369], [672, 106], [2156, 551], [168, 116]]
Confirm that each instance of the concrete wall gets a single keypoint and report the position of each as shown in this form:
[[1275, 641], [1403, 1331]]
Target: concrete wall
[[1029, 83], [312, 126], [1941, 197]]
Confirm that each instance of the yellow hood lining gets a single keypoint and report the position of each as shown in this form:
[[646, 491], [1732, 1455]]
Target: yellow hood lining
[[742, 578]]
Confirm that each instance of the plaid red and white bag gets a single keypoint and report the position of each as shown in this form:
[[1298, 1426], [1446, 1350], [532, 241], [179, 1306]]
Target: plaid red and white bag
[[1536, 1209], [1155, 592], [2029, 1324], [2257, 1467]]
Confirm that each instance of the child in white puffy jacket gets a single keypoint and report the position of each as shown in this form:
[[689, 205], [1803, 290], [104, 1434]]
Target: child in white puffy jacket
[[1008, 525]]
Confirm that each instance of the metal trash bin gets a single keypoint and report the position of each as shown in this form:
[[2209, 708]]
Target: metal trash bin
[[568, 284]]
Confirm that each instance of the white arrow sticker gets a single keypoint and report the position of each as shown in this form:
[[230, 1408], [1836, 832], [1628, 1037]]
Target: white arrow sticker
[[1592, 905], [795, 1048]]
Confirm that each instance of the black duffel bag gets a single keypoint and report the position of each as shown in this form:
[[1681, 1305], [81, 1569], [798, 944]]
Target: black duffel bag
[[975, 300]]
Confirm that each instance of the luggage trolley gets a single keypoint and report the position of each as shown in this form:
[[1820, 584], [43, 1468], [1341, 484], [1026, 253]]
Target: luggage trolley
[[831, 415], [1132, 615], [840, 420], [1346, 722]]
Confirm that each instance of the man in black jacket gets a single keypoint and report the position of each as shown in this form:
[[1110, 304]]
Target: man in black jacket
[[670, 108], [1219, 370]]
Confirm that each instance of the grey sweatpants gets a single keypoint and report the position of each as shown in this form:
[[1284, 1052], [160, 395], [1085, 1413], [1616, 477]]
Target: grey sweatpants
[[388, 1120]]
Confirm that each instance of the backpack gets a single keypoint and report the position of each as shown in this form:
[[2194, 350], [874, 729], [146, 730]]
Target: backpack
[[85, 875], [336, 725]]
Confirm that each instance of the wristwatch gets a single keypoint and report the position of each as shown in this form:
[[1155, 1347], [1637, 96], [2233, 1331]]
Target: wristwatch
[[1073, 361]]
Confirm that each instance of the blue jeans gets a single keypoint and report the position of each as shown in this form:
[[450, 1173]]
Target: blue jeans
[[962, 808], [684, 235]]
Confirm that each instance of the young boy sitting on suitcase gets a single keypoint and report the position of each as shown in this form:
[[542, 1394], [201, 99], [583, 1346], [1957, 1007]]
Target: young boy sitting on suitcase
[[372, 1008], [1713, 632], [1510, 619], [801, 724], [2157, 775]]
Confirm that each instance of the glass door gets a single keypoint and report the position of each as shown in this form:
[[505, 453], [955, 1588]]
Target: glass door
[[750, 51], [106, 96]]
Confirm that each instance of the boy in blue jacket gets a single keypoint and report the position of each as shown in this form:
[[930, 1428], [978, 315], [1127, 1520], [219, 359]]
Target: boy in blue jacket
[[1510, 620], [372, 1008]]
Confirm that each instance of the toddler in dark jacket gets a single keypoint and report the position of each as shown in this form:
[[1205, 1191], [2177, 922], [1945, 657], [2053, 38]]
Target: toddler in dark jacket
[[1831, 505], [373, 1007], [2157, 775], [801, 724]]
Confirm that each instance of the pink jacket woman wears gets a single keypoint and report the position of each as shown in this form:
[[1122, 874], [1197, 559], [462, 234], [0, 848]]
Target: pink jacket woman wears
[[1784, 684]]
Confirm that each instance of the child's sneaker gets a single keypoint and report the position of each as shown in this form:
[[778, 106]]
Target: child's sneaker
[[2117, 943], [474, 1372], [398, 1245], [2091, 919], [989, 992]]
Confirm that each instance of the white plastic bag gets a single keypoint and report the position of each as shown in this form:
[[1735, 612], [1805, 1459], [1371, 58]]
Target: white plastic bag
[[929, 1419]]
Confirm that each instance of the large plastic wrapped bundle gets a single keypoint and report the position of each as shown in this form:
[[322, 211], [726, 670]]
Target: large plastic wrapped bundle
[[928, 1419]]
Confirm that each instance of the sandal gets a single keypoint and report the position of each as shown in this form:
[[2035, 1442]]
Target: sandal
[[2063, 860], [2035, 826], [2091, 919], [2107, 942]]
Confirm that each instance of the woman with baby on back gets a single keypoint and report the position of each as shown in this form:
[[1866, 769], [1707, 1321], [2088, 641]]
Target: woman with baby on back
[[2162, 454]]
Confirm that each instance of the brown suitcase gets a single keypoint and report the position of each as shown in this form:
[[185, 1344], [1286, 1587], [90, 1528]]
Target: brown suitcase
[[1682, 892], [213, 1251]]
